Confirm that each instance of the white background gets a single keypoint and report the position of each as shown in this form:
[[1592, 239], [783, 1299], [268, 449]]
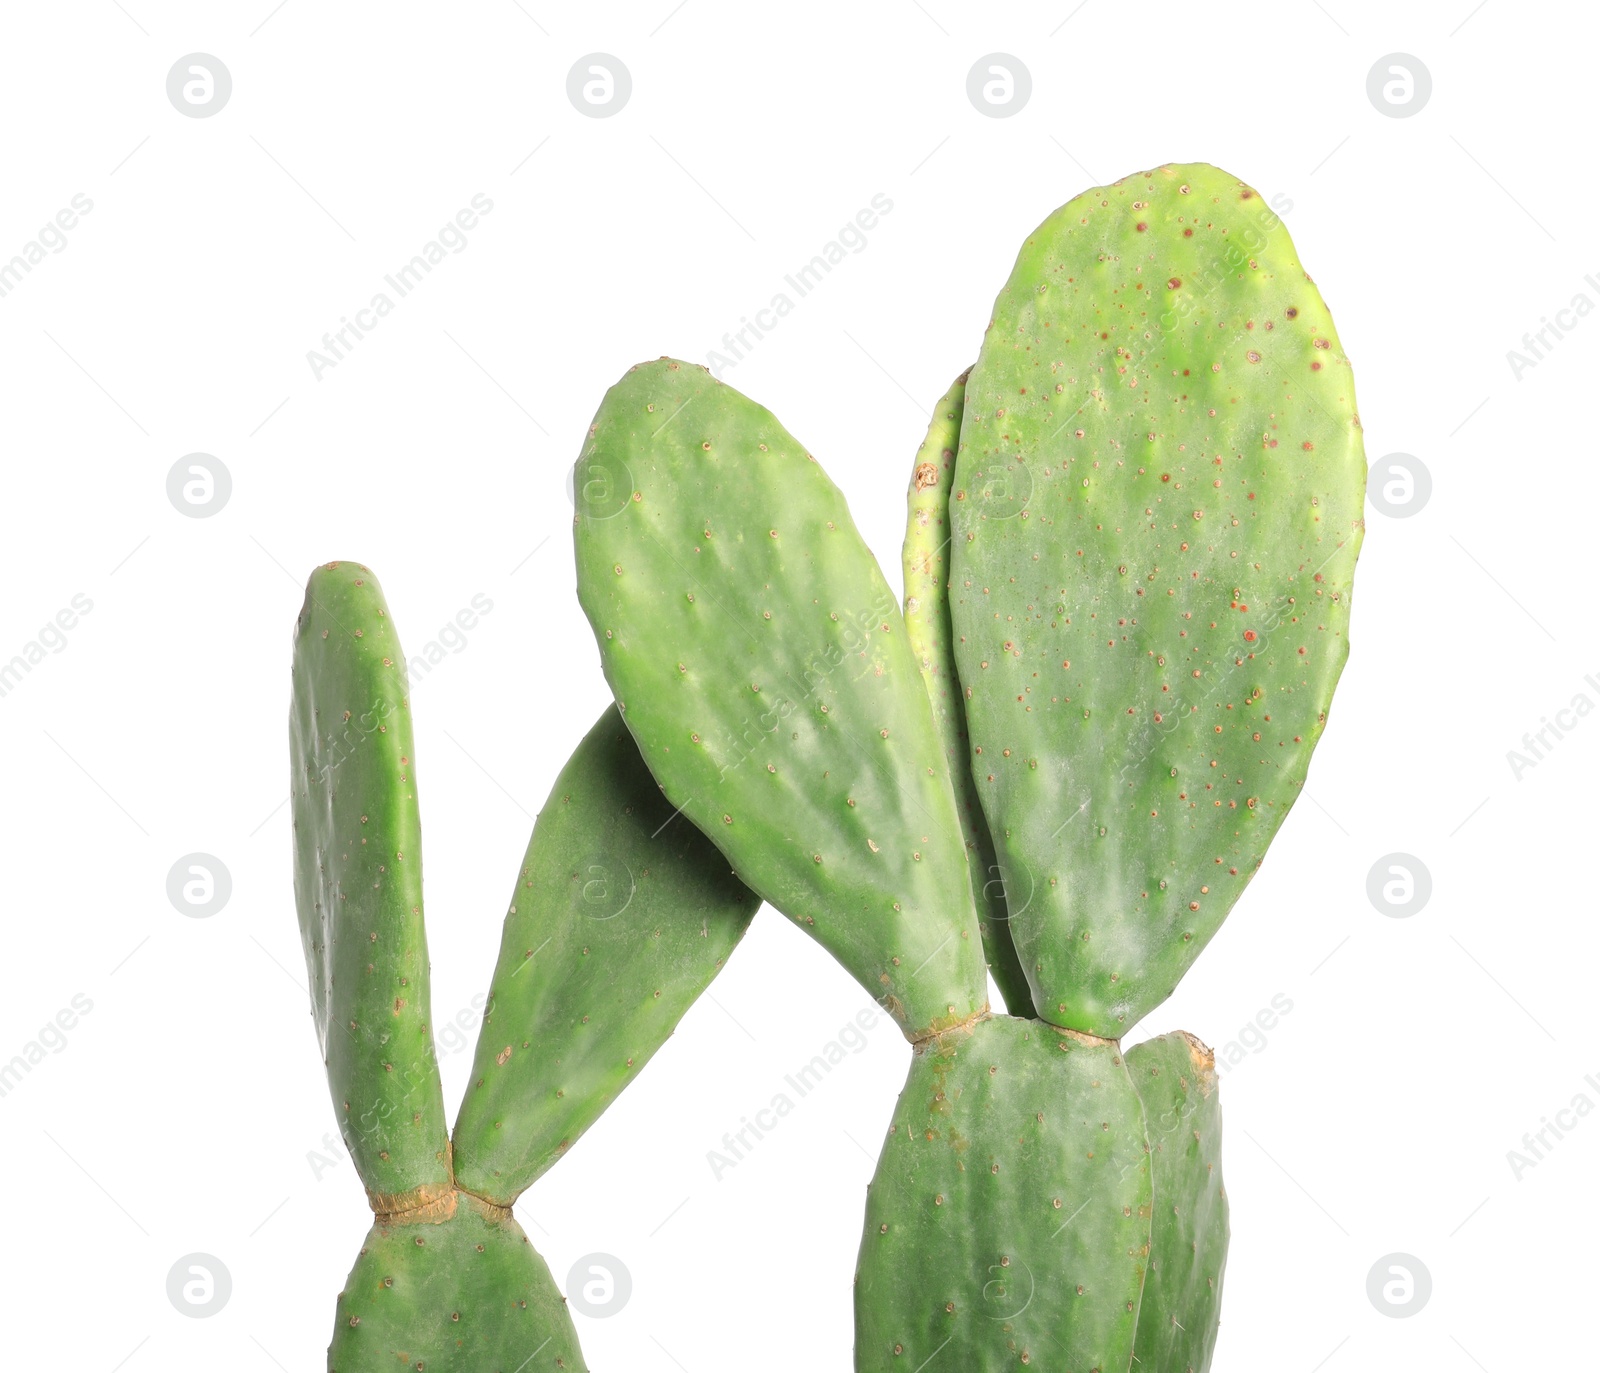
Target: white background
[[1374, 1117]]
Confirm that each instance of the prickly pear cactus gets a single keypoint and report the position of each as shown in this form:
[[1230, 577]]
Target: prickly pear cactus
[[358, 886], [1179, 1313], [1132, 531], [762, 665], [925, 561], [1157, 509], [621, 916], [443, 1282], [1008, 1222], [461, 1289]]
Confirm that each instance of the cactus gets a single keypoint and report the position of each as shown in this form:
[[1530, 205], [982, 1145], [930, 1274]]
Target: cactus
[[1179, 1311], [620, 918], [460, 1289], [1009, 1216], [1158, 509], [1011, 1213], [441, 1281], [582, 996], [358, 887], [979, 1277], [1132, 530], [1044, 1199], [761, 663], [1156, 514], [925, 560]]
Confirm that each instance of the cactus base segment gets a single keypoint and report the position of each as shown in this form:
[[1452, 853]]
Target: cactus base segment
[[1008, 1222], [460, 1291], [1176, 1079]]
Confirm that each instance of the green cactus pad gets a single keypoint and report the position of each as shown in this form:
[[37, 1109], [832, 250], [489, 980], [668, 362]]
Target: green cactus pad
[[621, 917], [358, 886], [1008, 1222], [762, 664], [459, 1292], [925, 561], [1157, 511], [1176, 1079]]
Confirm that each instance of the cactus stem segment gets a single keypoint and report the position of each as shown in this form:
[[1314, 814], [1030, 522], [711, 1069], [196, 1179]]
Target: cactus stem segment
[[1157, 502], [925, 562]]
